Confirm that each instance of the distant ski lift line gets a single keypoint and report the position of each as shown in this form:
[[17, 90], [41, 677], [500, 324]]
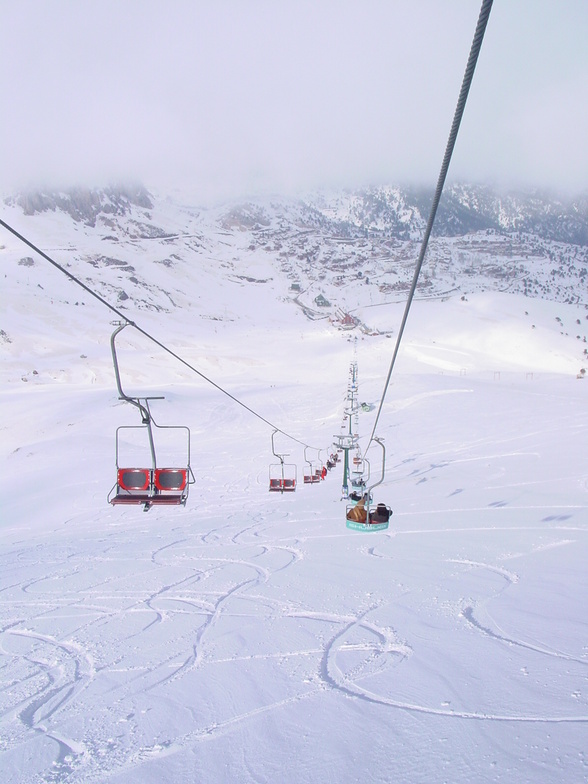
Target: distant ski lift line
[[161, 345], [459, 110]]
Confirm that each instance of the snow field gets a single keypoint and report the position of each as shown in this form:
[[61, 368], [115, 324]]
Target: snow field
[[250, 636]]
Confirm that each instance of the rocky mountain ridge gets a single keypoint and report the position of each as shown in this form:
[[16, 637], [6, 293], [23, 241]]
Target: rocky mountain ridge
[[397, 212], [327, 252], [343, 260]]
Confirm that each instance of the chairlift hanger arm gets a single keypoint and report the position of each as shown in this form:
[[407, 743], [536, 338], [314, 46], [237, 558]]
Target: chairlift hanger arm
[[280, 457], [144, 409], [379, 482]]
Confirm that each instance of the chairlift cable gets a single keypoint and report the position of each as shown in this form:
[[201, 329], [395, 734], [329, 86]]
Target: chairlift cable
[[157, 342], [465, 87], [65, 272]]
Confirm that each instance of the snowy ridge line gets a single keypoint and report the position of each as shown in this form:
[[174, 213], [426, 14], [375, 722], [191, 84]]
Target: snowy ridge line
[[400, 403], [265, 656], [542, 547], [510, 577], [62, 269], [490, 508], [73, 649], [468, 614], [333, 675], [353, 690]]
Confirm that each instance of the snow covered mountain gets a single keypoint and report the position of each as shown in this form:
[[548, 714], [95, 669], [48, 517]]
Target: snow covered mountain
[[346, 258], [251, 636], [325, 242]]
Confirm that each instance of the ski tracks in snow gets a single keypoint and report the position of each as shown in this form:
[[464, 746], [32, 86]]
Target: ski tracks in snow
[[348, 680], [183, 588], [111, 592]]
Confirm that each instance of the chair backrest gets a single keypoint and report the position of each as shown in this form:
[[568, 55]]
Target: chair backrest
[[134, 479], [171, 479]]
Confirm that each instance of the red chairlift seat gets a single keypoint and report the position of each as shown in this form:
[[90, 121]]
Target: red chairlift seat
[[170, 485], [311, 476], [282, 485], [282, 476], [159, 487], [149, 486], [132, 486], [134, 479]]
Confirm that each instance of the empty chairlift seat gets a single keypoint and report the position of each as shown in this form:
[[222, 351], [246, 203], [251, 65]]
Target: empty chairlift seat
[[133, 486], [171, 479], [170, 485], [282, 485], [282, 476], [282, 479], [149, 486], [162, 486]]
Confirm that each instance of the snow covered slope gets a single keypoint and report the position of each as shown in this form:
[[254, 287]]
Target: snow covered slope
[[157, 257], [251, 636]]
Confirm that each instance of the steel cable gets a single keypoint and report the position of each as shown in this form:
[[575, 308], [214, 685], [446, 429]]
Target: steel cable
[[465, 87], [157, 342]]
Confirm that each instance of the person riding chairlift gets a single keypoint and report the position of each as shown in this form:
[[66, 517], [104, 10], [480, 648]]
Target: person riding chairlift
[[358, 513], [382, 514], [324, 472]]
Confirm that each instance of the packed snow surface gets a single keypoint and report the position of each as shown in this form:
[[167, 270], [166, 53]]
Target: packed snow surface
[[250, 636]]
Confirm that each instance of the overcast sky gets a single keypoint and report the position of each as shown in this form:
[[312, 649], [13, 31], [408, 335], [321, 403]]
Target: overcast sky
[[228, 96]]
